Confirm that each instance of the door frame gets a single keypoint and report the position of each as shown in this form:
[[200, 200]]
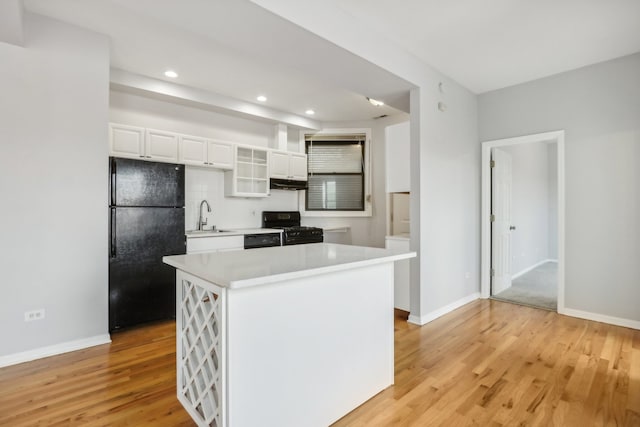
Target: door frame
[[485, 214]]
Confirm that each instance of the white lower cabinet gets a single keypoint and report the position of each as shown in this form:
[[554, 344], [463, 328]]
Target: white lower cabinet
[[401, 275], [214, 244]]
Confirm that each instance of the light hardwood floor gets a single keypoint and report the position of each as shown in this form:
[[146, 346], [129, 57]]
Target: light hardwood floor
[[488, 363]]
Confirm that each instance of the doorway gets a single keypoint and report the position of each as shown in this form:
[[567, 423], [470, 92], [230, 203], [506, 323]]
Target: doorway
[[523, 220]]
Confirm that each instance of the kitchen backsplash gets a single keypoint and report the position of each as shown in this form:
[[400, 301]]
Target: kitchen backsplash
[[228, 212]]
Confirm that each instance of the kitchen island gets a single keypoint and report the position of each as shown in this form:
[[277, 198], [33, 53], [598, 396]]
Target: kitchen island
[[283, 336]]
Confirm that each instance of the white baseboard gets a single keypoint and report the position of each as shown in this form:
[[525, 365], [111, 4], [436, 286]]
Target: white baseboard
[[422, 320], [52, 350], [618, 321], [528, 269]]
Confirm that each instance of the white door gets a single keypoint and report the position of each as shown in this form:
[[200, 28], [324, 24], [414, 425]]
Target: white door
[[501, 224]]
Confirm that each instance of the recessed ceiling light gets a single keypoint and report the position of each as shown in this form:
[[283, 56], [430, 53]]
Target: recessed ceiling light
[[261, 98], [310, 112], [170, 73], [375, 102]]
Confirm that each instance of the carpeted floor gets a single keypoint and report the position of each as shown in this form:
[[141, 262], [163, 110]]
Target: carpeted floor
[[537, 288]]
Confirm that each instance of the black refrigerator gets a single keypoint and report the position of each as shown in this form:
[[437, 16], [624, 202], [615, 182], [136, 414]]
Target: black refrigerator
[[146, 212]]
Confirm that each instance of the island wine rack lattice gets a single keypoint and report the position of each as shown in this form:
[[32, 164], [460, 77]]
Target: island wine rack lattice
[[200, 356]]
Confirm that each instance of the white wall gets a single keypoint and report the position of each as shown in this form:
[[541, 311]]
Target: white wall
[[445, 156], [53, 186], [448, 166], [599, 109], [529, 204], [228, 212]]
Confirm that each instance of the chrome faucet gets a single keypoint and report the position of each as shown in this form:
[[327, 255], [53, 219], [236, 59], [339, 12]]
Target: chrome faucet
[[202, 221]]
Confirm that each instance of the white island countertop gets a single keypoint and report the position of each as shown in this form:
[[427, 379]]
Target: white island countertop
[[241, 269]]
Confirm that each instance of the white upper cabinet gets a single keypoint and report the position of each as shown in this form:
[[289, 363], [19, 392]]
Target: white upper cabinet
[[397, 154], [221, 154], [279, 164], [250, 177], [126, 141], [192, 150], [298, 166], [198, 151], [161, 146], [141, 143], [286, 165], [164, 146]]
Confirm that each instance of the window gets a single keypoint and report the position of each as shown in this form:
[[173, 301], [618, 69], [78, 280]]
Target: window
[[338, 169]]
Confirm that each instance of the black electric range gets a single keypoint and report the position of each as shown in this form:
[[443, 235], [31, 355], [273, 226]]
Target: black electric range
[[292, 232]]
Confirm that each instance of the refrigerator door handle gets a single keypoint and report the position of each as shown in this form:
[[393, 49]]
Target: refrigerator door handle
[[113, 181], [112, 231]]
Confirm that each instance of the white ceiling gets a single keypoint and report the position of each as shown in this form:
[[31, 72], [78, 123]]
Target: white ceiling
[[232, 48], [491, 44], [237, 49]]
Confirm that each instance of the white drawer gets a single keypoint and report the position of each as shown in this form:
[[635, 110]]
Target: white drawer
[[212, 244]]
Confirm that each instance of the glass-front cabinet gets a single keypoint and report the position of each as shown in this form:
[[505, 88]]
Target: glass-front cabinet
[[250, 177]]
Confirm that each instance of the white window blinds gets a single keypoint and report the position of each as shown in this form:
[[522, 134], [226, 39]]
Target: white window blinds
[[336, 173]]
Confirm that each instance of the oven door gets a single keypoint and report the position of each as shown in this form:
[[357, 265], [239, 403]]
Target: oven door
[[298, 238], [252, 241]]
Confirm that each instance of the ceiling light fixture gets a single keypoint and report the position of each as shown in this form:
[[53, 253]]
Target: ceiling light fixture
[[261, 98], [310, 112], [375, 102], [171, 74]]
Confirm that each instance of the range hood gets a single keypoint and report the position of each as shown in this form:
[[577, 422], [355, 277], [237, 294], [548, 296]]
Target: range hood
[[287, 184]]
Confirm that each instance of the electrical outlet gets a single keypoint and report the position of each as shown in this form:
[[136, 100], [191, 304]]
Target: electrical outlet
[[34, 315]]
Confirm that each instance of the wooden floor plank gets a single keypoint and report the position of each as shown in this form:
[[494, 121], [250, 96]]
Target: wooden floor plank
[[489, 363]]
